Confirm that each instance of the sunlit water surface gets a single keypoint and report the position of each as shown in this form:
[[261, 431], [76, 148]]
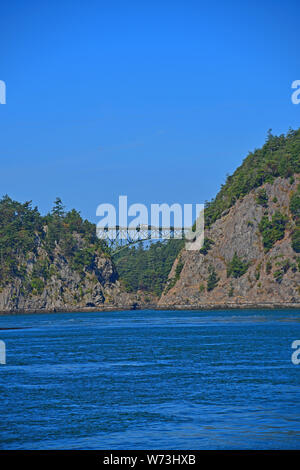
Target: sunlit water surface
[[150, 380]]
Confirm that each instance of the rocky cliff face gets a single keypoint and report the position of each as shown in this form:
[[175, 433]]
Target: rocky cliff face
[[238, 268], [250, 258], [63, 288]]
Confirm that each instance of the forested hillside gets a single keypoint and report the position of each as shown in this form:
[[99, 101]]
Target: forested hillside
[[280, 156], [23, 232], [53, 262], [251, 248], [250, 253], [146, 268]]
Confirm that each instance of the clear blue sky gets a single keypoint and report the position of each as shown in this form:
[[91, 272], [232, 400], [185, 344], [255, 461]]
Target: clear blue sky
[[157, 100]]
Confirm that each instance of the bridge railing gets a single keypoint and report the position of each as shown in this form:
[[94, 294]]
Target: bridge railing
[[139, 233]]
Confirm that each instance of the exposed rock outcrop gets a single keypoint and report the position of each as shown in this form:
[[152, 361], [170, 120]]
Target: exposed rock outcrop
[[271, 278], [65, 289]]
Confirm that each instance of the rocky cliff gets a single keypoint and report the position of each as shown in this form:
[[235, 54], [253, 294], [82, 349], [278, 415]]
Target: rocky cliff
[[248, 258], [63, 288], [55, 263]]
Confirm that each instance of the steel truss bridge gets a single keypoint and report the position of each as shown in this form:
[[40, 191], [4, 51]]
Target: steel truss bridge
[[120, 237], [139, 233]]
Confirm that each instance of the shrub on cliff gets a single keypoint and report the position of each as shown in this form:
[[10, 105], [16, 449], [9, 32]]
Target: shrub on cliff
[[296, 240], [237, 267], [272, 230], [212, 280], [262, 198], [280, 156], [295, 204], [37, 286], [207, 244]]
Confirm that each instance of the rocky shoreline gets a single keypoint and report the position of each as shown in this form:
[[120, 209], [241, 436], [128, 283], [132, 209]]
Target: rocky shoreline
[[202, 307]]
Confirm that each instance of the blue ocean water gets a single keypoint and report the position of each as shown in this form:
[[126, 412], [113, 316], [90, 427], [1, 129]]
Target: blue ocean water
[[150, 380]]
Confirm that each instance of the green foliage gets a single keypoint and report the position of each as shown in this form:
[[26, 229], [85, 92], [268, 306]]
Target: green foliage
[[61, 228], [296, 240], [268, 267], [272, 230], [285, 265], [207, 244], [37, 286], [280, 156], [41, 268], [23, 230], [262, 198], [237, 267], [278, 275], [231, 291], [171, 282], [83, 259], [58, 209], [68, 244], [257, 272], [295, 204], [147, 268], [178, 269], [212, 280], [19, 226], [295, 210]]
